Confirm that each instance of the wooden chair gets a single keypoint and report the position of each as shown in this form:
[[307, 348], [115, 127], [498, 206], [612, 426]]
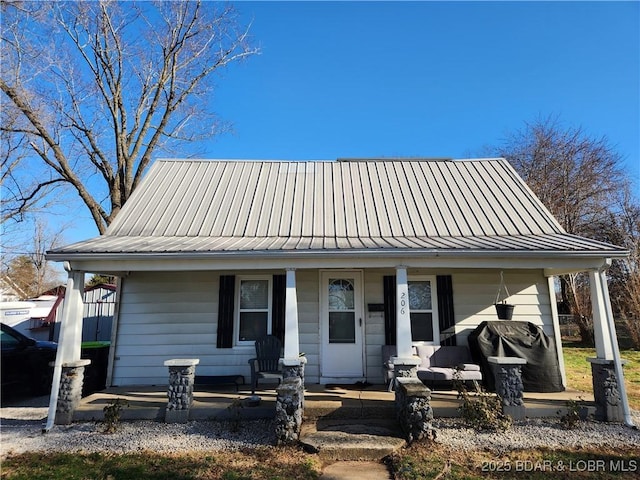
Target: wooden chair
[[266, 364]]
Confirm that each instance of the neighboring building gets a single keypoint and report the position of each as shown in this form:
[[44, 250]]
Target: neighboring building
[[9, 291], [212, 254], [98, 308], [33, 317], [39, 317]]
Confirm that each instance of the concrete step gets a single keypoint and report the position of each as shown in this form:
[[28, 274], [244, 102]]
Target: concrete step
[[335, 439]]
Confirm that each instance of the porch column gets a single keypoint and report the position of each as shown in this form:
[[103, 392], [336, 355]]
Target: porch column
[[405, 362], [601, 332], [70, 338], [293, 364], [556, 327], [609, 389], [291, 340], [290, 393]]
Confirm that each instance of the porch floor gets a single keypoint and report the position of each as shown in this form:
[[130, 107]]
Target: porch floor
[[216, 403]]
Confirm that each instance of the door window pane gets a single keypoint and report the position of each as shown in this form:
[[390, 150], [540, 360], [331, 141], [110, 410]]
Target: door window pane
[[341, 294], [342, 327]]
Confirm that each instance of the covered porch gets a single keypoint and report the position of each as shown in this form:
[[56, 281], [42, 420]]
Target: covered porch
[[149, 403]]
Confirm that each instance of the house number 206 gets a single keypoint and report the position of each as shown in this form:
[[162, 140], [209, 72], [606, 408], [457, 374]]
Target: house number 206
[[403, 303]]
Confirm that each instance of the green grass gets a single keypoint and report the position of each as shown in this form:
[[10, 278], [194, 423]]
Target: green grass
[[579, 371]]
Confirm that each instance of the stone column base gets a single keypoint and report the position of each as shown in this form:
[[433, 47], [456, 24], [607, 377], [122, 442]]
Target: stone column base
[[413, 409], [182, 372], [289, 410], [70, 392], [508, 376], [605, 390], [404, 367]]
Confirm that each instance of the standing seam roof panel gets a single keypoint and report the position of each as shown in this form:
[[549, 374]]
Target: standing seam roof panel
[[451, 197], [391, 207], [428, 195], [200, 213], [222, 184], [269, 211], [348, 198], [481, 206], [410, 201], [329, 210], [465, 199], [339, 212], [493, 205], [492, 173], [238, 218], [308, 221], [176, 195], [400, 189], [357, 194]]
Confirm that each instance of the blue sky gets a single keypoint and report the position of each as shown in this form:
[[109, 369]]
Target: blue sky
[[429, 79]]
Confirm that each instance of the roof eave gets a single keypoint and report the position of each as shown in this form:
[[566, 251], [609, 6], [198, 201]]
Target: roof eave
[[353, 253]]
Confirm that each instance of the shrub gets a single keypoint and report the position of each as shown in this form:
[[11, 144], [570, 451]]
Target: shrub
[[481, 410], [112, 415]]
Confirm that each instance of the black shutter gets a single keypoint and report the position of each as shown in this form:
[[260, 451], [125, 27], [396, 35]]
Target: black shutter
[[226, 299], [446, 317], [278, 306], [389, 283]]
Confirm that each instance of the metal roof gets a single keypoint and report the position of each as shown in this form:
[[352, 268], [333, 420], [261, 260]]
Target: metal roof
[[323, 206]]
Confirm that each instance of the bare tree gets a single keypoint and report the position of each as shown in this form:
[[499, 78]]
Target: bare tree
[[578, 177], [623, 228], [29, 269], [96, 89]]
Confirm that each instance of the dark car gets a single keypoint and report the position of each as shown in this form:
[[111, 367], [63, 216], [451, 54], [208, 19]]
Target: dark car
[[25, 363]]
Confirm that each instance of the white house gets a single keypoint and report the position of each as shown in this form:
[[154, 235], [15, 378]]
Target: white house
[[211, 254]]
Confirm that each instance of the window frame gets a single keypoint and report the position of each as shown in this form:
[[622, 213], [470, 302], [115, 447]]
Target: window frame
[[435, 323], [238, 310]]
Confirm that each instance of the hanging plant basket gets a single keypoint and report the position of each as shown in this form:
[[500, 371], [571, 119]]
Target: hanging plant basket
[[503, 309]]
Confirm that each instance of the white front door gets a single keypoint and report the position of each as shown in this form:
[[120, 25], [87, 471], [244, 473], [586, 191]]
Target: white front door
[[341, 327]]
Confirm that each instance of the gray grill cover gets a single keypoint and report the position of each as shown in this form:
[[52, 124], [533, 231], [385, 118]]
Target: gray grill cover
[[518, 339]]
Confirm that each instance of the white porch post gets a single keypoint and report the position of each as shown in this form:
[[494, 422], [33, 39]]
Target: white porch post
[[405, 363], [556, 328], [70, 339], [609, 353], [601, 314], [403, 319], [291, 340]]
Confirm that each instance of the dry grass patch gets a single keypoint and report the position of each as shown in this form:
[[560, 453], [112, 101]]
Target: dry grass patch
[[251, 464], [431, 461]]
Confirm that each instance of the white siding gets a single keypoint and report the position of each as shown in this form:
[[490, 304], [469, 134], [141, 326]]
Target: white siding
[[374, 325], [167, 315], [163, 316], [308, 287], [475, 293]]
